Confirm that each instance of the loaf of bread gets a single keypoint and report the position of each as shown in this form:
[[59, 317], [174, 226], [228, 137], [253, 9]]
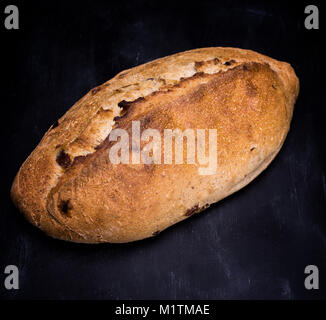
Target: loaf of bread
[[71, 189]]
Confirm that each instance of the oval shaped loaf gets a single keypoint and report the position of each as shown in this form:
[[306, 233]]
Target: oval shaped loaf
[[69, 188]]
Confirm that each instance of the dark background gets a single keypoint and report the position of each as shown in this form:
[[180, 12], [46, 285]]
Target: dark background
[[253, 245]]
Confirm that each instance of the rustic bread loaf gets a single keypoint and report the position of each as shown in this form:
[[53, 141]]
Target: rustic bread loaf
[[70, 189]]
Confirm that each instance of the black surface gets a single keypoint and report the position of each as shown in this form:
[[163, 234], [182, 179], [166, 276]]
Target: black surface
[[254, 244]]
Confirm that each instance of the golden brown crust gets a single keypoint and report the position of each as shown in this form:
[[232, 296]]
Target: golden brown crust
[[70, 189]]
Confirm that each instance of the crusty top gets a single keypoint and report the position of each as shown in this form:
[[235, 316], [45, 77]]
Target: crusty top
[[69, 188]]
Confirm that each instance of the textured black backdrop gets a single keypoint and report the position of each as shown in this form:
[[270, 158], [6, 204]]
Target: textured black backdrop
[[254, 244]]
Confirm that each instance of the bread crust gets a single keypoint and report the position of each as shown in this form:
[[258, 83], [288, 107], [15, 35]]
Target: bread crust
[[69, 188]]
